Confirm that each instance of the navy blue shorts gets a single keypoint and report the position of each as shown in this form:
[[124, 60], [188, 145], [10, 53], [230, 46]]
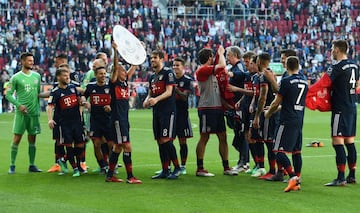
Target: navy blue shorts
[[211, 121], [164, 125], [343, 124], [120, 131], [99, 129], [245, 117], [255, 134], [268, 127], [56, 132], [289, 138], [183, 125], [71, 132]]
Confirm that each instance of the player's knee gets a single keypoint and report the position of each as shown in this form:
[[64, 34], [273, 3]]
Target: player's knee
[[117, 148]]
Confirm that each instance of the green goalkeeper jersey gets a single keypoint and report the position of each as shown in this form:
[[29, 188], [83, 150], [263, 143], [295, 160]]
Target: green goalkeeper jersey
[[88, 77], [24, 89]]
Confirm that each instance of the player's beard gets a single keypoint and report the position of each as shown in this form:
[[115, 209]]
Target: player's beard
[[28, 67], [65, 83]]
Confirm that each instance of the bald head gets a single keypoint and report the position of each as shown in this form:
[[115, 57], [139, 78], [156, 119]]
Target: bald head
[[98, 63]]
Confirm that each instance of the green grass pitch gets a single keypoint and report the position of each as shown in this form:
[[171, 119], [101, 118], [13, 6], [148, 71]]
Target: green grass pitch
[[45, 192]]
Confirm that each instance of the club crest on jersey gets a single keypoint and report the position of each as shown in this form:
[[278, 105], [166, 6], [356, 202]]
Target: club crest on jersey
[[62, 95], [72, 90], [171, 77], [181, 83], [94, 91], [36, 81], [106, 91], [329, 71]]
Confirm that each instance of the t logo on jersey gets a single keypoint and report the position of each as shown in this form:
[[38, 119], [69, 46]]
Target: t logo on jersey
[[27, 87], [96, 99], [67, 101]]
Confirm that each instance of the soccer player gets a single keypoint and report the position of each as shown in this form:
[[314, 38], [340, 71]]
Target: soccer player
[[243, 106], [26, 85], [344, 75], [100, 60], [266, 126], [279, 176], [291, 96], [120, 127], [269, 75], [61, 61], [183, 125], [161, 97], [64, 104], [237, 76], [100, 113], [210, 110]]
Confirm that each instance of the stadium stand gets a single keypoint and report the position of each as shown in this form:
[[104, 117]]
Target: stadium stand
[[80, 28]]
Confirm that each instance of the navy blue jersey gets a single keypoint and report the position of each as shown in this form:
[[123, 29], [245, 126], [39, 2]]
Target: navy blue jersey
[[99, 97], [256, 88], [270, 94], [183, 84], [66, 103], [293, 90], [119, 100], [285, 74], [344, 76], [157, 85], [248, 86], [75, 78], [238, 79]]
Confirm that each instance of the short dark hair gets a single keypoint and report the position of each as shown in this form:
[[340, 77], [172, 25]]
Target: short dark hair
[[264, 57], [254, 58], [158, 53], [181, 60], [99, 68], [62, 55], [292, 63], [60, 71], [341, 44], [64, 65], [288, 52], [249, 54], [24, 55], [204, 55]]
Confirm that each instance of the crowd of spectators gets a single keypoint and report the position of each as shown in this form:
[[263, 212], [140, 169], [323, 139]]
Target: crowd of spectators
[[80, 28]]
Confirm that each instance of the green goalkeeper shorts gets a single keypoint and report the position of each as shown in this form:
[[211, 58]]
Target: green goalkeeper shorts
[[24, 122]]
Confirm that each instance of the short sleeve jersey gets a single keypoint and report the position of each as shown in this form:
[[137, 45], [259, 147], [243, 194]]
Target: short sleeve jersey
[[344, 76], [66, 103], [248, 86], [256, 88], [209, 88], [293, 90], [157, 86], [270, 94], [27, 89], [119, 100], [183, 84], [99, 96]]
